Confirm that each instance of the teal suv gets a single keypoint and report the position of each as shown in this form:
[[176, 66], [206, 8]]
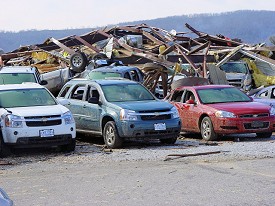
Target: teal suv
[[119, 109]]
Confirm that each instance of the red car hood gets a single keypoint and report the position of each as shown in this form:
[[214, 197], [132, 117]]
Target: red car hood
[[242, 107]]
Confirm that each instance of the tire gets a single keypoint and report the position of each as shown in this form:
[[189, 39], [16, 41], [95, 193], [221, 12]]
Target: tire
[[4, 149], [171, 140], [207, 130], [264, 135], [78, 62], [68, 147], [110, 136]]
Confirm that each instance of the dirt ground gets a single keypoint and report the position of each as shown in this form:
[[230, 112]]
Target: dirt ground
[[238, 170]]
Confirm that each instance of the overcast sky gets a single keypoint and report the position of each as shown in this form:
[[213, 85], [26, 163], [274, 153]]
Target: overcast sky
[[16, 15]]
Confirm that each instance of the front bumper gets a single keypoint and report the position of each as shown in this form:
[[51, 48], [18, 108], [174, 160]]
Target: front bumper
[[146, 130], [243, 125], [30, 136]]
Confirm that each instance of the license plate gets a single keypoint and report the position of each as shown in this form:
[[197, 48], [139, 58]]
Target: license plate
[[46, 133], [160, 126], [257, 124]]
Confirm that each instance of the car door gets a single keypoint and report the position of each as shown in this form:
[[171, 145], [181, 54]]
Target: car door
[[190, 110], [90, 118], [75, 98]]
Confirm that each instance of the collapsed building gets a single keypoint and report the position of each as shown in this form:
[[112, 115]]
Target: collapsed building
[[160, 54]]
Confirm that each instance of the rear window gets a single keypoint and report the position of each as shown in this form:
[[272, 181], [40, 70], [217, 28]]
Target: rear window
[[26, 98], [102, 75]]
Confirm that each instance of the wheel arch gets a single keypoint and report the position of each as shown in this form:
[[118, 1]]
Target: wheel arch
[[104, 120], [200, 120]]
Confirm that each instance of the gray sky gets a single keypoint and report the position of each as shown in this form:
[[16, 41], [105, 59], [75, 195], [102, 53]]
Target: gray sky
[[19, 15]]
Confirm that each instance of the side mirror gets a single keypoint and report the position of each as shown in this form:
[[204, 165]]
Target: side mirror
[[190, 101], [44, 82], [93, 100]]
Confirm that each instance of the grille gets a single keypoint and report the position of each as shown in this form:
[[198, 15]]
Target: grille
[[260, 126], [43, 123], [156, 117], [254, 115], [38, 121], [153, 111]]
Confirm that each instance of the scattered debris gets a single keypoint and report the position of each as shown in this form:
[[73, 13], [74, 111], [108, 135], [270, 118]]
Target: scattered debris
[[176, 156]]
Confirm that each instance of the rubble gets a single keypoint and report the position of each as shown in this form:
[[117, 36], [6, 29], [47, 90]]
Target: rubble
[[154, 50]]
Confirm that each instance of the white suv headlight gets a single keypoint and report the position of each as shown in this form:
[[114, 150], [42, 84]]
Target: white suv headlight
[[126, 114], [175, 113], [225, 114], [14, 121], [68, 118]]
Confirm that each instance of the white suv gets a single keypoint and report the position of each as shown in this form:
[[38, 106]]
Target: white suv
[[30, 116]]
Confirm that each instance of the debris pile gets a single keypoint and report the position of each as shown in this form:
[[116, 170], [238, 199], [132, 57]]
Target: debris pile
[[159, 53]]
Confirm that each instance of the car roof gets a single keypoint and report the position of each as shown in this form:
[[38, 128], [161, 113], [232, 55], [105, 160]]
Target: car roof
[[25, 85], [113, 69], [211, 86], [17, 69], [108, 81]]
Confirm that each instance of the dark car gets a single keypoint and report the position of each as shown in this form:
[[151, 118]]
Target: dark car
[[216, 110], [127, 72]]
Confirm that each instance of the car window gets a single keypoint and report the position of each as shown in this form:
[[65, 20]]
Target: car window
[[127, 76], [91, 92], [77, 92], [188, 96], [263, 94], [177, 96], [102, 75], [26, 98], [272, 94], [64, 91], [134, 75], [16, 78], [222, 95], [126, 92]]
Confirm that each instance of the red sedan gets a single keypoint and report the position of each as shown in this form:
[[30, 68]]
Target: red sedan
[[215, 110]]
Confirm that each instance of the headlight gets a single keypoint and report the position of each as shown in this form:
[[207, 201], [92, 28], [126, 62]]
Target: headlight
[[175, 112], [13, 121], [272, 111], [225, 114], [68, 118], [126, 114]]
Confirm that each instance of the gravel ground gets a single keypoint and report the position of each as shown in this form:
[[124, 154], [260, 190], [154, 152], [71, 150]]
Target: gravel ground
[[240, 171], [230, 148]]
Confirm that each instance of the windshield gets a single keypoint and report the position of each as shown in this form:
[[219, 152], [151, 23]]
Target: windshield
[[234, 68], [222, 95], [16, 78], [102, 75], [126, 92], [26, 98]]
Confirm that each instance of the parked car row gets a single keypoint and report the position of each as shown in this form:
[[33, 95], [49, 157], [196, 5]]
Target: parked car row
[[119, 109]]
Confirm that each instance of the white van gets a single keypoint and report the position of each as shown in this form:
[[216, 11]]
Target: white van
[[30, 116]]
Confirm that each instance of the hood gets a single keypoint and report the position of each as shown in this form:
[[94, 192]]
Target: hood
[[145, 105], [242, 107], [230, 76], [39, 110]]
